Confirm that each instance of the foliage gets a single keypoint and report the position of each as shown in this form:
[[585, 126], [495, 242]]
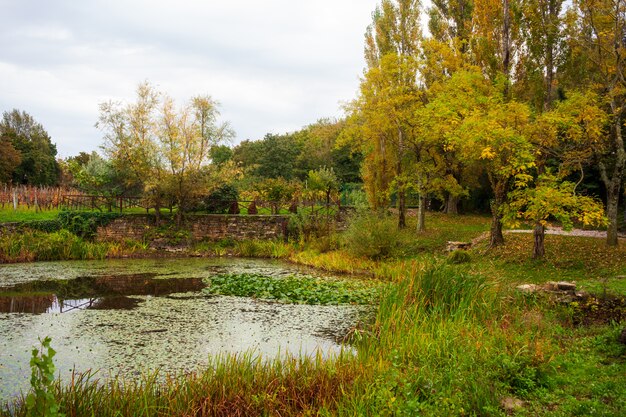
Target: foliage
[[41, 401], [48, 226], [220, 200], [553, 199], [30, 153], [98, 176], [277, 191], [246, 384], [29, 246], [164, 149], [372, 236], [85, 223], [10, 158], [262, 249], [323, 181], [292, 289]]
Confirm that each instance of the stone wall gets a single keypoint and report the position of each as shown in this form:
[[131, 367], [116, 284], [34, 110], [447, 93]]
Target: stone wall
[[209, 226]]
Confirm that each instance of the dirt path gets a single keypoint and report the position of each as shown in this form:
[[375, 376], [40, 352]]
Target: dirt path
[[554, 230]]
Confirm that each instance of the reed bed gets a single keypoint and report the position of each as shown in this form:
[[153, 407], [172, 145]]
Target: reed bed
[[237, 385], [30, 245]]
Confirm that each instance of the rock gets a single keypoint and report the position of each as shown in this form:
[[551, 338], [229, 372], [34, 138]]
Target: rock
[[527, 288], [511, 404], [562, 286], [452, 246], [566, 286]]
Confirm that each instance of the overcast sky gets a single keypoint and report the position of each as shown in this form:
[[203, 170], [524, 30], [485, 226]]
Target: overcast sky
[[274, 65]]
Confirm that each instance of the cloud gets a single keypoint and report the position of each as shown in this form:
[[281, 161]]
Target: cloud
[[275, 65]]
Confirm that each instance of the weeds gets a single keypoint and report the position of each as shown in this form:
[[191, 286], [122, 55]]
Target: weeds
[[41, 401], [30, 246]]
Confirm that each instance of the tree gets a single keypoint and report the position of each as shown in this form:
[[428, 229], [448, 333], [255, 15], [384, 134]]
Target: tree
[[387, 91], [486, 129], [551, 199], [272, 157], [165, 149], [37, 165], [10, 158], [277, 191], [323, 180], [543, 38], [597, 46], [220, 154], [97, 176]]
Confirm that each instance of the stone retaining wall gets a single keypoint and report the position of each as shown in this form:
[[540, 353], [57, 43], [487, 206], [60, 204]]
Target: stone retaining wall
[[209, 226]]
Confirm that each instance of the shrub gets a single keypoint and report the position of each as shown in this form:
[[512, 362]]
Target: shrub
[[48, 226], [459, 257], [84, 223], [372, 235], [220, 200]]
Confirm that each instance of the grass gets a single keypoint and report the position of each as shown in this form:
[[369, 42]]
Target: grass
[[447, 339], [594, 266], [245, 385], [29, 246], [22, 214]]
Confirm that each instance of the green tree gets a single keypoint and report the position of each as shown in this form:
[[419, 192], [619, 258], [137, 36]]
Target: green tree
[[551, 199], [38, 165], [597, 53], [324, 181], [541, 27], [166, 149], [388, 92], [483, 127], [220, 154]]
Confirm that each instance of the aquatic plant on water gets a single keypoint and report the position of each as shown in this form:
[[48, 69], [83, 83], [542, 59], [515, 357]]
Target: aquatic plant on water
[[292, 289]]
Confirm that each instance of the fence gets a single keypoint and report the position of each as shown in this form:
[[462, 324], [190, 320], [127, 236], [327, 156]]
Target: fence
[[44, 198], [100, 202], [47, 198]]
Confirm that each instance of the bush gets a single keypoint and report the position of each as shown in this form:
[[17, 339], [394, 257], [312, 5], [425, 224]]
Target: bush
[[372, 235], [84, 223], [459, 257], [220, 200], [48, 226]]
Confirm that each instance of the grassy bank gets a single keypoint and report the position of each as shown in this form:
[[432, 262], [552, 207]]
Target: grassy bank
[[447, 339]]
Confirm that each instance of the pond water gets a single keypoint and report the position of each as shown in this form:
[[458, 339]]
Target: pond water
[[125, 317]]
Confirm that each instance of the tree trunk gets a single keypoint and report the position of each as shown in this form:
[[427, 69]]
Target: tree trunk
[[421, 213], [506, 47], [539, 233], [612, 199], [496, 236], [157, 213], [613, 183], [452, 204], [401, 193], [401, 209]]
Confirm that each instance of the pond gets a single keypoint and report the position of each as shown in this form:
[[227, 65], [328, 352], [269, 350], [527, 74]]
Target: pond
[[126, 317]]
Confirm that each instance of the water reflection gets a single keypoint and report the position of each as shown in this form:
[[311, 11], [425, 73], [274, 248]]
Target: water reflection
[[102, 292]]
